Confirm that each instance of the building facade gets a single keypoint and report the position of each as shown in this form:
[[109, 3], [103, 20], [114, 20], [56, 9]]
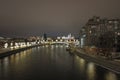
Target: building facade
[[98, 30]]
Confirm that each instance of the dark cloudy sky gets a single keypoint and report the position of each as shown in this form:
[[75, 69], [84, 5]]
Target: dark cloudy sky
[[54, 17]]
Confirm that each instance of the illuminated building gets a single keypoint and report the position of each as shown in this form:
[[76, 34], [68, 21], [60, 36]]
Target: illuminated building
[[96, 27]]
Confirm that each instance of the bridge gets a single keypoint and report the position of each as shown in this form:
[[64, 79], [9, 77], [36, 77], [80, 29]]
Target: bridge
[[60, 42], [17, 45]]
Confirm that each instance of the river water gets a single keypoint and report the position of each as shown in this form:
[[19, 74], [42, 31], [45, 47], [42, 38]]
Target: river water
[[51, 62]]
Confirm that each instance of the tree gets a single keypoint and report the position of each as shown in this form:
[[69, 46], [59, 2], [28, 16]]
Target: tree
[[106, 42]]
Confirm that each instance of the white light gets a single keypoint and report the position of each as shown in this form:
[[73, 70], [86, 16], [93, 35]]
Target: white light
[[6, 45], [118, 33], [28, 44], [11, 47], [82, 42], [11, 44], [16, 44], [84, 35], [56, 40], [90, 31], [58, 37], [63, 37]]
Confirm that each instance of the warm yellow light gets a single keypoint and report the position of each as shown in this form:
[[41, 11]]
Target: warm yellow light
[[6, 45], [56, 40]]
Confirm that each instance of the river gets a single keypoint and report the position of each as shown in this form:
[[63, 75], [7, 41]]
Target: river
[[51, 62]]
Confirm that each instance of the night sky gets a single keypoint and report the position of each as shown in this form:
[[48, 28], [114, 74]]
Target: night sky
[[54, 17]]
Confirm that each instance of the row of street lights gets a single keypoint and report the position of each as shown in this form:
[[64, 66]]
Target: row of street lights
[[19, 44]]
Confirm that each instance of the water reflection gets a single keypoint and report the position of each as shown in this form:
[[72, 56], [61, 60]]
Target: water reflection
[[4, 66], [81, 64], [49, 62], [91, 72], [110, 76], [13, 59]]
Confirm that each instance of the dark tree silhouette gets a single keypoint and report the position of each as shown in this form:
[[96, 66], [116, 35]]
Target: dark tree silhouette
[[106, 43]]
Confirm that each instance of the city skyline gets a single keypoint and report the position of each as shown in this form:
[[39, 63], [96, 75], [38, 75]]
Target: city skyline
[[59, 40], [54, 17]]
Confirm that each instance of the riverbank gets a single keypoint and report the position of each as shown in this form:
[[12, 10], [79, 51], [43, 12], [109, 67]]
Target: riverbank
[[8, 52], [111, 65]]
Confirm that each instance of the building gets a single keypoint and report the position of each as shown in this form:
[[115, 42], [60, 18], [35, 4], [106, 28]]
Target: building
[[96, 28]]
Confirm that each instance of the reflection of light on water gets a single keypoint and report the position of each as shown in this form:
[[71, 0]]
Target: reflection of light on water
[[6, 61], [29, 51], [56, 46], [11, 62], [24, 53], [110, 76], [52, 47], [38, 47], [77, 57], [43, 46], [12, 58], [5, 64], [81, 63], [15, 58], [46, 45], [19, 58], [61, 45], [91, 71]]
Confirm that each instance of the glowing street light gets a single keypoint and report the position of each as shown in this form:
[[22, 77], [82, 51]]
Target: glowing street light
[[6, 45]]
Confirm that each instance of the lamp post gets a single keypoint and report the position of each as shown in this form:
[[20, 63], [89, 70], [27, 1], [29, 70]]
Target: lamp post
[[116, 33], [115, 41]]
